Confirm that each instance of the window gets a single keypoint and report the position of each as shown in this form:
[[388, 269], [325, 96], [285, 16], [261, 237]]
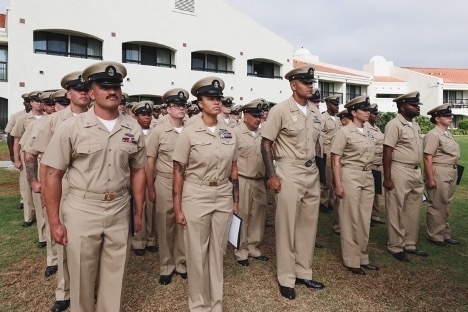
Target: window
[[185, 5], [138, 98], [263, 69], [147, 55], [455, 98], [3, 113], [328, 89], [3, 63], [387, 96], [211, 63], [67, 45], [352, 91]]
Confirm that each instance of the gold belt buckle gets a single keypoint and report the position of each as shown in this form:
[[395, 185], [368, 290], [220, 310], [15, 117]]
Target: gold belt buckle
[[213, 183], [365, 168], [109, 196]]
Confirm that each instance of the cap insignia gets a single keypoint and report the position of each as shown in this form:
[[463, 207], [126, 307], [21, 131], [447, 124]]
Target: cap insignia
[[215, 84], [110, 70]]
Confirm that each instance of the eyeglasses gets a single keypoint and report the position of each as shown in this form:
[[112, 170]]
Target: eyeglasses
[[177, 106]]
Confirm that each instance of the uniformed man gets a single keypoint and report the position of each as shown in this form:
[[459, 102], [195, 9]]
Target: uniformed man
[[11, 123], [402, 155], [76, 100], [225, 114], [441, 154], [316, 98], [60, 99], [193, 110], [352, 154], [129, 108], [37, 111], [345, 117], [156, 113], [331, 124], [290, 125], [163, 109], [377, 163], [160, 150], [252, 191], [236, 113], [100, 149], [123, 104]]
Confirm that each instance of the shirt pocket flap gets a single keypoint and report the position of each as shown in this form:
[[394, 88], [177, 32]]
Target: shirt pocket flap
[[89, 148], [129, 148]]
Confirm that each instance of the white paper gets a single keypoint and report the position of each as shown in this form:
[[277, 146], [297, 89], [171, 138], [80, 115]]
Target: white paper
[[234, 231], [424, 197]]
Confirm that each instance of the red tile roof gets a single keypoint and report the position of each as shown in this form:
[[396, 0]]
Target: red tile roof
[[449, 75], [386, 79], [2, 20], [325, 69]]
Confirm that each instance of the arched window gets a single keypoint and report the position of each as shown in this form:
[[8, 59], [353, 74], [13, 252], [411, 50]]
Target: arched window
[[264, 69], [145, 54], [211, 62], [63, 44]]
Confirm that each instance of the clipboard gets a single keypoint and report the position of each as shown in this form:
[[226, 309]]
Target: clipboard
[[321, 163], [460, 170], [235, 231], [377, 181]]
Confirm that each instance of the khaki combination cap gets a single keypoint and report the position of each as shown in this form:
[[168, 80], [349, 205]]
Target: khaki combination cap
[[209, 86], [227, 100], [177, 96], [25, 96], [360, 102], [156, 107], [441, 110], [130, 105], [74, 80], [109, 74], [60, 97], [45, 98], [344, 114], [303, 73], [374, 109], [143, 107], [333, 99], [193, 109], [236, 109], [255, 107], [35, 95], [316, 95], [412, 98], [124, 98]]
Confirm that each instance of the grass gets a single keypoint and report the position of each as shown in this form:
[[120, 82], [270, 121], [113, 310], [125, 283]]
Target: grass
[[436, 283], [4, 152]]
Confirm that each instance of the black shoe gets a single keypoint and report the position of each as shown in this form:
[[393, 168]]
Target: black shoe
[[50, 270], [401, 256], [358, 271], [268, 224], [370, 267], [165, 279], [377, 222], [183, 275], [451, 241], [152, 248], [317, 245], [310, 283], [287, 292], [417, 252], [324, 209], [437, 243], [27, 223], [139, 252], [41, 245], [243, 262], [261, 258], [269, 203], [60, 305], [20, 206]]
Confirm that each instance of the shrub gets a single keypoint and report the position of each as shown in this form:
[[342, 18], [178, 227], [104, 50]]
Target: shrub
[[463, 124]]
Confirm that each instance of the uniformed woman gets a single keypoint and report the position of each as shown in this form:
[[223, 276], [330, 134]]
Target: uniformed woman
[[441, 153], [206, 155], [352, 153]]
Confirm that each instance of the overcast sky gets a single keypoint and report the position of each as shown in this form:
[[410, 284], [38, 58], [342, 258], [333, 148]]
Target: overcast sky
[[424, 33]]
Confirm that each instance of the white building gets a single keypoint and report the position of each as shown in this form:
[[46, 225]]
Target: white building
[[172, 43]]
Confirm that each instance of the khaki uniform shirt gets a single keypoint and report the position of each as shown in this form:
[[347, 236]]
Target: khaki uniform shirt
[[26, 138], [378, 139], [355, 148], [250, 163], [231, 121], [330, 127], [194, 119], [98, 161], [208, 155], [13, 119], [154, 122], [295, 134], [160, 146], [22, 124], [442, 146], [405, 140]]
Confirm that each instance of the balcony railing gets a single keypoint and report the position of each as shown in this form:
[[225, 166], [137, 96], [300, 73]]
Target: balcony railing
[[457, 103], [3, 71]]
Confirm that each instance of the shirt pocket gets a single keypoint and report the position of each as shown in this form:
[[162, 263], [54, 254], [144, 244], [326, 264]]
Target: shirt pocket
[[202, 149], [90, 154], [228, 147], [126, 151], [165, 152], [246, 150], [294, 130]]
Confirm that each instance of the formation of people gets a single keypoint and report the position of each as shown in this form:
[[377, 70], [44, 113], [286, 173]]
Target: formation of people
[[102, 176]]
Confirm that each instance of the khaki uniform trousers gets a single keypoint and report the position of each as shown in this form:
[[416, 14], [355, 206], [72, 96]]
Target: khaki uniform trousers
[[26, 193], [297, 208], [328, 197], [439, 203], [208, 212], [252, 211], [170, 234], [376, 205], [355, 215], [62, 292], [403, 205], [98, 240]]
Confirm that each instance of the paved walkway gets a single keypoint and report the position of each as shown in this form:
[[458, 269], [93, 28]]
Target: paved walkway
[[6, 164]]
